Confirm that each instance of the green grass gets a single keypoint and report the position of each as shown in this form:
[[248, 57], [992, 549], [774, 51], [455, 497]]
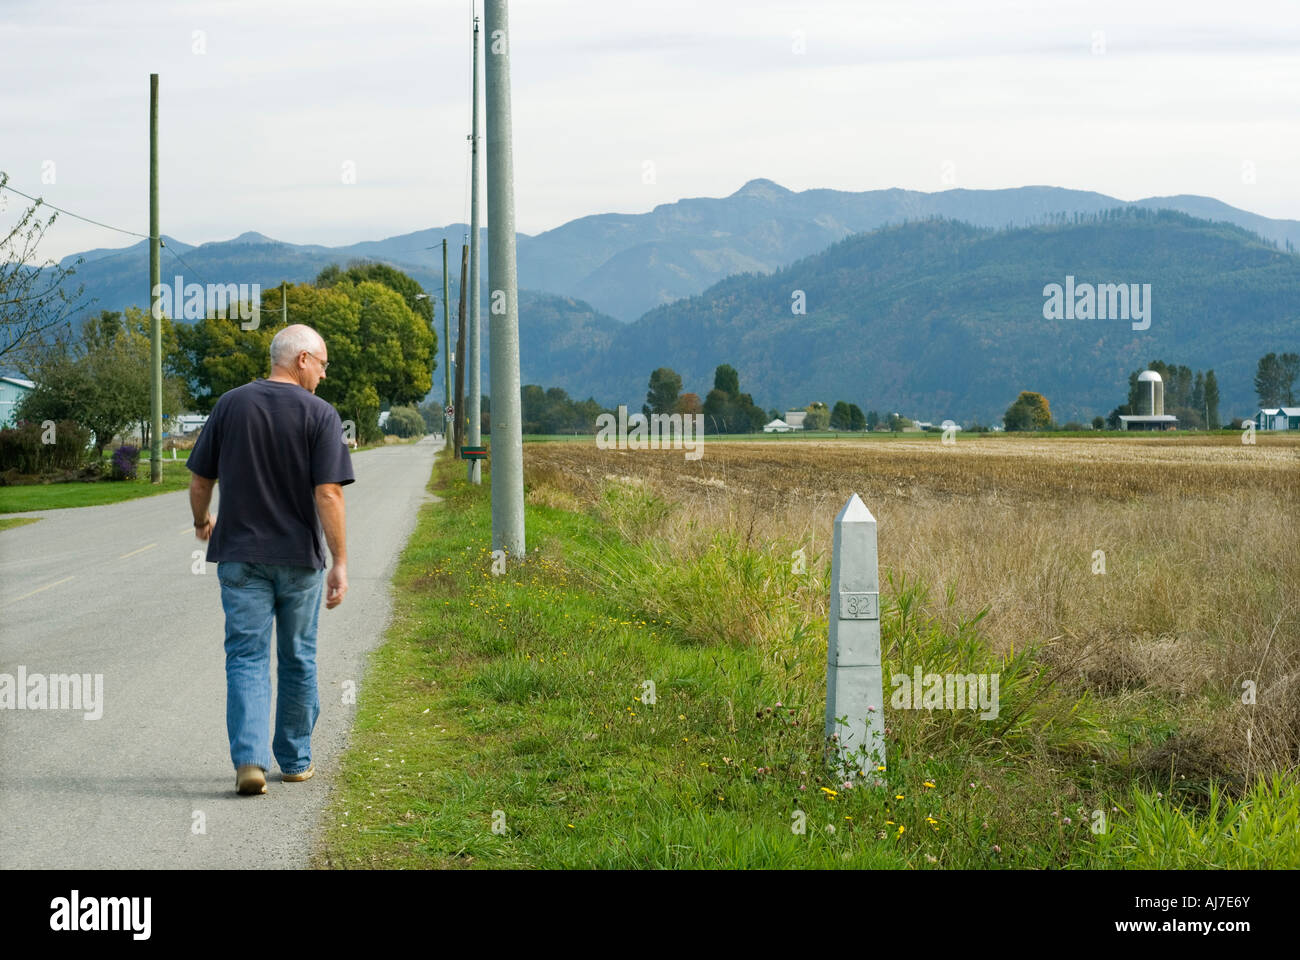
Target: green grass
[[7, 523], [52, 496], [519, 702]]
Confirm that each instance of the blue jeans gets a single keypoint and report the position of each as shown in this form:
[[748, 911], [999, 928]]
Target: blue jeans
[[253, 595]]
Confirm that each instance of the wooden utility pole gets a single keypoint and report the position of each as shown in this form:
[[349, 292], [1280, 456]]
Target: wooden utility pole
[[155, 282], [459, 436]]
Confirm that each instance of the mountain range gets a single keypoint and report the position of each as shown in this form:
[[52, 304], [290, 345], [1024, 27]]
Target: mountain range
[[606, 298], [940, 318]]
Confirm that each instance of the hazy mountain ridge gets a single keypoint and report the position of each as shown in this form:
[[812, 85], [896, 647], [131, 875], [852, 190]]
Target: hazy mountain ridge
[[918, 341], [940, 318], [627, 264]]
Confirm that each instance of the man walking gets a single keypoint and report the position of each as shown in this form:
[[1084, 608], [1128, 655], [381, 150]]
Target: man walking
[[277, 449]]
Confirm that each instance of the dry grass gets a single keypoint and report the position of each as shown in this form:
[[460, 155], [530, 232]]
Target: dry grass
[[1201, 592]]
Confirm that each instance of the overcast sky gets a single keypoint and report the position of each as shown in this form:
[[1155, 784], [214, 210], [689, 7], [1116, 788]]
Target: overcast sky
[[262, 108]]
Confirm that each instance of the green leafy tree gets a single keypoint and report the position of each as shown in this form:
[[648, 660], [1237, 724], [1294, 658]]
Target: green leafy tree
[[405, 421], [1290, 370], [1270, 384], [857, 420], [726, 379], [101, 378], [217, 355], [839, 418], [553, 412], [818, 418], [726, 409], [1029, 412], [359, 271], [1211, 400], [665, 387], [381, 345], [873, 420]]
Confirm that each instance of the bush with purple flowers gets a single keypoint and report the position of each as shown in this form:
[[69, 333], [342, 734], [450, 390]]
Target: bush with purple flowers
[[125, 460]]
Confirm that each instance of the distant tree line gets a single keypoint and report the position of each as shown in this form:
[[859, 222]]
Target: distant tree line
[[553, 411], [1192, 397], [1275, 379]]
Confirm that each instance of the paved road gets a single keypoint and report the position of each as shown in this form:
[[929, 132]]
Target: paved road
[[110, 590]]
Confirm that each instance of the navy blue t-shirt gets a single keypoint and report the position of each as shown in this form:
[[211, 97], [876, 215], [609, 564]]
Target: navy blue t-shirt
[[268, 444]]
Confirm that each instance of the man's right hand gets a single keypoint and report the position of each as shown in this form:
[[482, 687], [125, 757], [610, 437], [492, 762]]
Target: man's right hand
[[336, 584]]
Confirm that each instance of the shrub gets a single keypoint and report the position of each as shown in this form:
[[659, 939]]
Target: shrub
[[24, 449], [405, 422], [126, 459]]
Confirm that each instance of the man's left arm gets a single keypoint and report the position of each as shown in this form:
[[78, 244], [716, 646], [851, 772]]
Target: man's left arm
[[200, 500]]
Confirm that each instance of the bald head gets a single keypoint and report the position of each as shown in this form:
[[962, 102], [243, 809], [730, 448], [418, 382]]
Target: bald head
[[298, 355], [290, 342]]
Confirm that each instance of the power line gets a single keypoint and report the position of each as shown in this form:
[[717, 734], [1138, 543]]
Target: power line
[[183, 263], [163, 243], [98, 223]]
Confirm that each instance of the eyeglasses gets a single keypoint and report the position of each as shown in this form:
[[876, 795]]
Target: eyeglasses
[[324, 364]]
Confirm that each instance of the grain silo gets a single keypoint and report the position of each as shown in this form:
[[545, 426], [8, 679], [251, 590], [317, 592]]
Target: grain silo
[[1151, 394], [1150, 413]]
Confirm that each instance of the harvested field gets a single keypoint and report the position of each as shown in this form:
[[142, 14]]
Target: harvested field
[[1199, 539]]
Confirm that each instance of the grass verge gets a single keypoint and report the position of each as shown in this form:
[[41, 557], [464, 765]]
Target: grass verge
[[53, 496]]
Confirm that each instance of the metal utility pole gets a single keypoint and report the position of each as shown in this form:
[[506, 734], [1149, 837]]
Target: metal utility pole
[[503, 304], [473, 408], [155, 320], [458, 435], [446, 333]]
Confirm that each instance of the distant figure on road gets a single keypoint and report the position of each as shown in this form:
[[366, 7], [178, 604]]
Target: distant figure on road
[[278, 451]]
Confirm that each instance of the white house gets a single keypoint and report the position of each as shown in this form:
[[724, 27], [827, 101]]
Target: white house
[[777, 426], [189, 422], [12, 389], [794, 419], [1278, 418]]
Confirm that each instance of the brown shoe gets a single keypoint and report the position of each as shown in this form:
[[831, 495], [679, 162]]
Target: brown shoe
[[299, 777], [250, 779]]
